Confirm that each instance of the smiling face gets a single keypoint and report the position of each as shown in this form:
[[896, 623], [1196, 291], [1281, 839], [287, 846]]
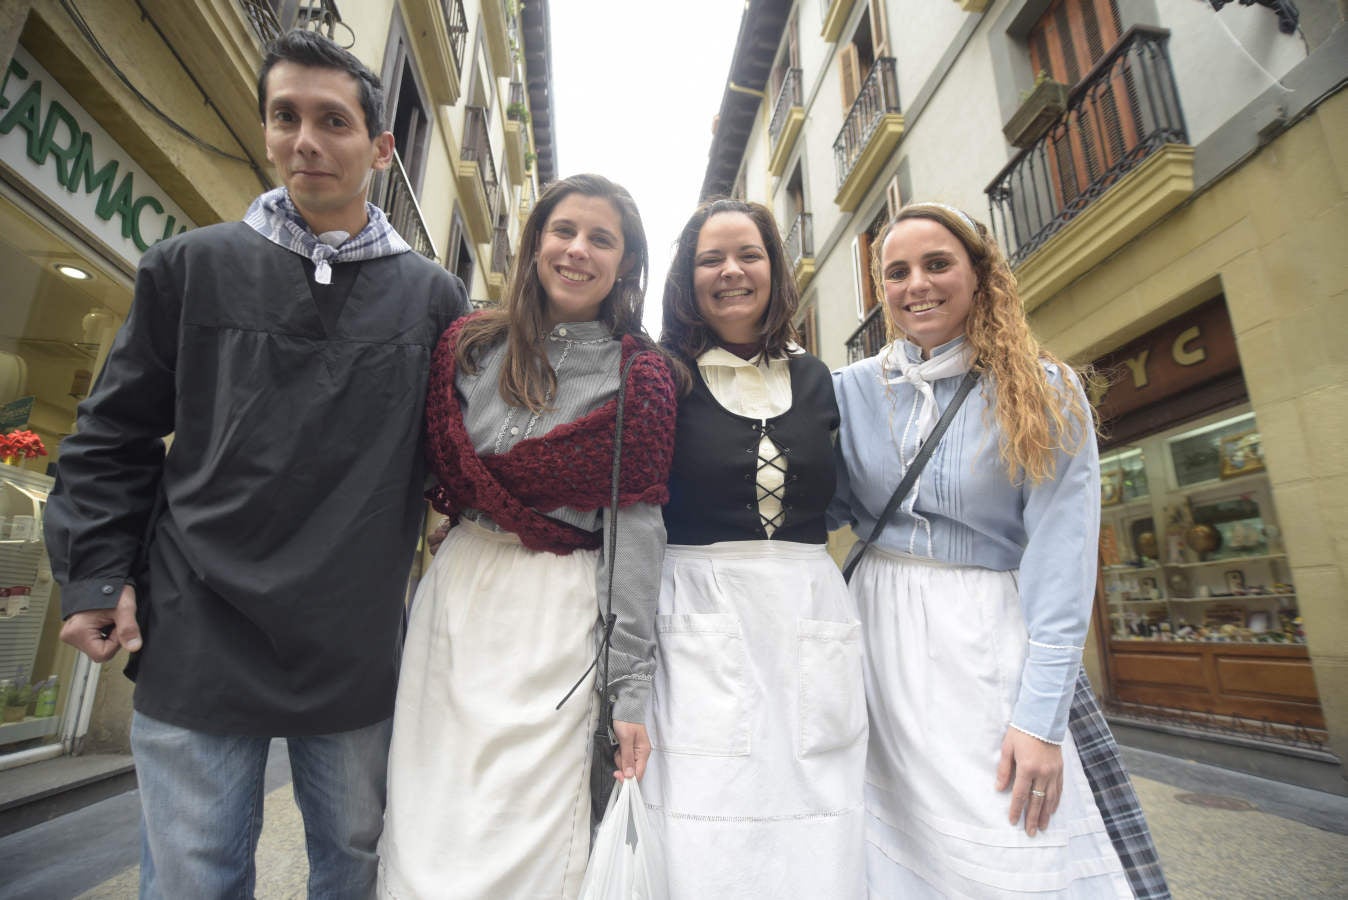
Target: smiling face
[[580, 256], [929, 282], [316, 137], [732, 277]]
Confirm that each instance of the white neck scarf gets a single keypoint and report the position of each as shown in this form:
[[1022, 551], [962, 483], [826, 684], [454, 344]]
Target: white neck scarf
[[897, 368]]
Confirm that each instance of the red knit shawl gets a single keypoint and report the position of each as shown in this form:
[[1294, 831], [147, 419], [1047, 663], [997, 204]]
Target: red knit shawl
[[571, 465]]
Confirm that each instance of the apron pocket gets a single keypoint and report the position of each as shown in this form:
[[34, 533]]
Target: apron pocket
[[699, 702], [831, 696]]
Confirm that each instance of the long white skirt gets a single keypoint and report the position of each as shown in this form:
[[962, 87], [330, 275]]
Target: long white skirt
[[945, 646], [758, 721], [488, 783]]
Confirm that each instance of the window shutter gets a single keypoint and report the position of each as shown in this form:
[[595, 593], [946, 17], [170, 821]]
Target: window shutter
[[879, 28], [1071, 36], [849, 76], [893, 197], [867, 284]]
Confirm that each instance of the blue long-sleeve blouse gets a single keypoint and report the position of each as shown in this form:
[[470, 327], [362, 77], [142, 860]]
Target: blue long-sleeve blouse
[[966, 511]]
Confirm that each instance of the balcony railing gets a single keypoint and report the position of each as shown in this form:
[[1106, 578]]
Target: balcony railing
[[879, 96], [457, 22], [501, 257], [787, 97], [800, 239], [1123, 111], [477, 148], [391, 192], [316, 15], [516, 111], [869, 337]]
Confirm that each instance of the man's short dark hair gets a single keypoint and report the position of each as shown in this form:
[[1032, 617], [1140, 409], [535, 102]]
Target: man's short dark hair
[[309, 48]]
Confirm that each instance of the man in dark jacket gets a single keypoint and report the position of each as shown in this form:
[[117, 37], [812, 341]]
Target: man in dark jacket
[[256, 568]]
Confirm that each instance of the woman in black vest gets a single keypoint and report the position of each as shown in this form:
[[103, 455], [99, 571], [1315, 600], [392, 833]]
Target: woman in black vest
[[758, 715]]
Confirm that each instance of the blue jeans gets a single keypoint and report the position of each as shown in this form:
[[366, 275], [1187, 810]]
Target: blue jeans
[[201, 809]]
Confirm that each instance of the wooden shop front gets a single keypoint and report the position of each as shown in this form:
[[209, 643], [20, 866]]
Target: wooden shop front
[[1196, 604]]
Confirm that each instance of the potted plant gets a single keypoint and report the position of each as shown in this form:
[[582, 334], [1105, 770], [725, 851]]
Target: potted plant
[[1039, 108], [20, 445]]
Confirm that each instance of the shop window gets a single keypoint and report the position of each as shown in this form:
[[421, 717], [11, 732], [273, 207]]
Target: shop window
[[1199, 603], [58, 318], [1199, 456], [1201, 560]]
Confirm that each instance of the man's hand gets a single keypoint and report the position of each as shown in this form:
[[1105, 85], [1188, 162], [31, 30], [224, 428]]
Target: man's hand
[[100, 633], [634, 748], [1037, 770]]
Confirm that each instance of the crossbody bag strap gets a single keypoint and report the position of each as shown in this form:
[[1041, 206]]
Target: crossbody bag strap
[[915, 469], [606, 617]]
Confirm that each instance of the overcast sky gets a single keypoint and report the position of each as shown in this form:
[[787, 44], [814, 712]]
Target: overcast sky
[[636, 84]]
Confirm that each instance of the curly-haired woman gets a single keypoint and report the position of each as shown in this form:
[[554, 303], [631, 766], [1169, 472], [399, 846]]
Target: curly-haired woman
[[975, 597]]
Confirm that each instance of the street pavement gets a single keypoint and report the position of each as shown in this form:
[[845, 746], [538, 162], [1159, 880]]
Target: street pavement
[[1221, 834]]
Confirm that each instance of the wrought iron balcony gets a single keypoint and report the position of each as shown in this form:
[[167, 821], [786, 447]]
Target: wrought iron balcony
[[800, 250], [477, 149], [1123, 111], [318, 15], [457, 21], [516, 111], [800, 239], [869, 337], [878, 97], [391, 192], [787, 97]]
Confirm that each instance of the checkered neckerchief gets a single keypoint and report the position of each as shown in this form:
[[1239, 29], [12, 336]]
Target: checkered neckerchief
[[274, 216]]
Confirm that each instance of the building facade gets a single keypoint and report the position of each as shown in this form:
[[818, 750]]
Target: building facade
[[128, 121], [1168, 180]]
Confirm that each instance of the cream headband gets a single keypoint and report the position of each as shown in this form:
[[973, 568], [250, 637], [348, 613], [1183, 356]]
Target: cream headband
[[950, 209]]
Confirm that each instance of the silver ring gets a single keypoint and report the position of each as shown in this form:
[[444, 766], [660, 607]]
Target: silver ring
[[1037, 793]]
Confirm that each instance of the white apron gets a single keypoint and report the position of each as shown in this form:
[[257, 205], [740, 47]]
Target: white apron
[[945, 646], [488, 783], [758, 723]]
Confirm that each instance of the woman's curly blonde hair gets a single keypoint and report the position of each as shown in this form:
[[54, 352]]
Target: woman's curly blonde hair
[[1037, 418]]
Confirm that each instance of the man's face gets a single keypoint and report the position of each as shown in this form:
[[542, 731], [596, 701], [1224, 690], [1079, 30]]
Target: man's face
[[317, 139]]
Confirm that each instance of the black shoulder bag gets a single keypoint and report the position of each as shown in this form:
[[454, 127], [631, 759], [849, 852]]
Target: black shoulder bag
[[604, 741]]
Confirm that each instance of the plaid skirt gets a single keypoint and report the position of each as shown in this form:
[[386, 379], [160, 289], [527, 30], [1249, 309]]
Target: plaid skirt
[[1114, 795]]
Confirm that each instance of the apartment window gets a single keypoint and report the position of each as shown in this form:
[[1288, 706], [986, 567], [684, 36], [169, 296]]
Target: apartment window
[[1065, 43], [865, 242], [795, 194], [1071, 36], [808, 329], [869, 42], [787, 59], [459, 257], [405, 106]]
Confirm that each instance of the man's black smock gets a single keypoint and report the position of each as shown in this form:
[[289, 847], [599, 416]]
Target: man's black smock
[[270, 546]]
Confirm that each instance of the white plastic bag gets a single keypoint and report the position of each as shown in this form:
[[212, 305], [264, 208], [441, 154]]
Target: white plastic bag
[[626, 862]]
